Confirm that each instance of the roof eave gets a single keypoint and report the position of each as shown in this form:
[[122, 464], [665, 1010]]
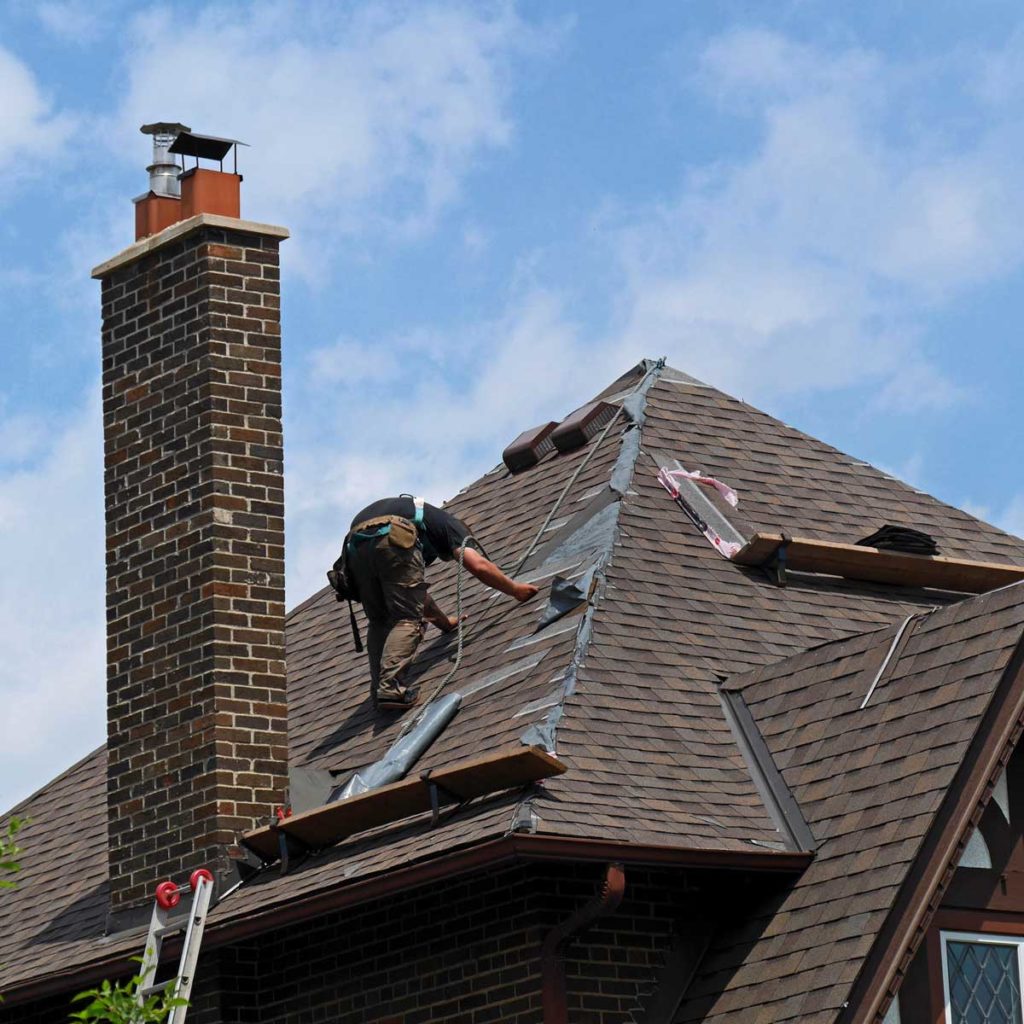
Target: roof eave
[[516, 848]]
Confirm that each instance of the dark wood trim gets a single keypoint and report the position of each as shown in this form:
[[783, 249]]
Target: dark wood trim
[[919, 897], [936, 990], [540, 847], [952, 919], [995, 922]]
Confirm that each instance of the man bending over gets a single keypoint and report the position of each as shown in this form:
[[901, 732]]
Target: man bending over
[[388, 547]]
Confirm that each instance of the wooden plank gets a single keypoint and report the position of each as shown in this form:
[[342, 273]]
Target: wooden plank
[[759, 550], [516, 767], [855, 561], [324, 826]]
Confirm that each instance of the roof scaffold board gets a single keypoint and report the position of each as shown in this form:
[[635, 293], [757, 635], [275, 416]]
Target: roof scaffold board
[[854, 561], [459, 782]]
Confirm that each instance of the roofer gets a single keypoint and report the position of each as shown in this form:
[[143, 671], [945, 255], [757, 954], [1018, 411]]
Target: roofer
[[382, 565]]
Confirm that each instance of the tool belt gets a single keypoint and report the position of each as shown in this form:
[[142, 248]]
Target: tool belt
[[399, 531]]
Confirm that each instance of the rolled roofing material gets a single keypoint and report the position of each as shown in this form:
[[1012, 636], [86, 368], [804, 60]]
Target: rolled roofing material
[[405, 753], [901, 538]]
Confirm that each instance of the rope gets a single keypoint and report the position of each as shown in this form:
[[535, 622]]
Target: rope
[[458, 643], [522, 561], [565, 490]]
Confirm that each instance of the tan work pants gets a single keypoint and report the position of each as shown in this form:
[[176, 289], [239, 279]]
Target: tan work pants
[[393, 590]]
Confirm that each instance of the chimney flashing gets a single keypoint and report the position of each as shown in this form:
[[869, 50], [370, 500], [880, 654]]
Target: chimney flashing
[[179, 230]]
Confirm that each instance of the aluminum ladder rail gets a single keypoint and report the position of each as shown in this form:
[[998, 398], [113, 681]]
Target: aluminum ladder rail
[[168, 895]]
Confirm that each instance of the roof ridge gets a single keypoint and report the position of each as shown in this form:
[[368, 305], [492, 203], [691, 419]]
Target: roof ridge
[[634, 405], [846, 457], [56, 780]]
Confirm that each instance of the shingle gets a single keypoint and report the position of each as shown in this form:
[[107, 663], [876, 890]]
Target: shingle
[[899, 755], [651, 757]]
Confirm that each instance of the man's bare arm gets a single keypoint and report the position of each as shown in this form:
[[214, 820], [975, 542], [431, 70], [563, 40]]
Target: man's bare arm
[[487, 572]]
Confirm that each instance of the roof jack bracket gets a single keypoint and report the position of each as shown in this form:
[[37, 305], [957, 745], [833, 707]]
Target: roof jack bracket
[[776, 568], [290, 849], [437, 791]]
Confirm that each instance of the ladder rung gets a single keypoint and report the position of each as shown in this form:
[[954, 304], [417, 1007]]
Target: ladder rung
[[151, 990], [168, 929]]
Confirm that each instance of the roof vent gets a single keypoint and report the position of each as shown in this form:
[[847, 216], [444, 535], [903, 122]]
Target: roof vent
[[579, 427], [163, 171], [529, 447]]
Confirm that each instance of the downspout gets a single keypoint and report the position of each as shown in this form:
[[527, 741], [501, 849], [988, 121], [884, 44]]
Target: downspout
[[552, 963]]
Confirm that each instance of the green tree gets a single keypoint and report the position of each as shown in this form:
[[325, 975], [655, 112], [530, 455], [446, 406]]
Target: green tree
[[118, 1003]]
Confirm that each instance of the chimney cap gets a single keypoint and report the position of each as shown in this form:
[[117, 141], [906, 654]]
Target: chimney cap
[[209, 147], [164, 128]]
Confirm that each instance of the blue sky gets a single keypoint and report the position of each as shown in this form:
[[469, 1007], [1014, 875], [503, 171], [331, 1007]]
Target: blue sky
[[497, 208]]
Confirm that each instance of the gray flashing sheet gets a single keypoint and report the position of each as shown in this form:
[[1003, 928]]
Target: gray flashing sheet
[[597, 536], [587, 542], [579, 537], [544, 632], [567, 595]]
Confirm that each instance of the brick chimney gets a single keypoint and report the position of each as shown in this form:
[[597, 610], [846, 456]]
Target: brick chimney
[[196, 724]]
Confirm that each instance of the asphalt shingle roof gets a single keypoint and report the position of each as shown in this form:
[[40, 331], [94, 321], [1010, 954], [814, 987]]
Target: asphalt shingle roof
[[869, 781], [627, 691]]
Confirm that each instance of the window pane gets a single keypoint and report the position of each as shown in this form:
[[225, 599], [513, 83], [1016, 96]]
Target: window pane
[[984, 984]]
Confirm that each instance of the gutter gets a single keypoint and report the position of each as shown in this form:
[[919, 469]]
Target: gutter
[[554, 999], [511, 849]]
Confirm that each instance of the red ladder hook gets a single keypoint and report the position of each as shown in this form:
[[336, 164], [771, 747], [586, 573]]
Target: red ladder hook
[[168, 895], [197, 875]]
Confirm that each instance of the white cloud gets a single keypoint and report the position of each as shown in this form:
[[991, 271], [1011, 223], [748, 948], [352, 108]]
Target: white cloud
[[361, 118], [29, 129], [1009, 518], [810, 265], [77, 21], [432, 414], [813, 262], [51, 607]]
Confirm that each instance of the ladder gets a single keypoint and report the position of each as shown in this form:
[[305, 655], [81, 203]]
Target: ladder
[[168, 896]]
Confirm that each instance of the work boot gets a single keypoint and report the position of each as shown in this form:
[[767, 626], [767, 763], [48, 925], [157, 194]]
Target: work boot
[[397, 699]]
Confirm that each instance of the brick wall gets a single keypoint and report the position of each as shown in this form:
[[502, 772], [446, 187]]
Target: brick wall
[[465, 951], [468, 952], [195, 552]]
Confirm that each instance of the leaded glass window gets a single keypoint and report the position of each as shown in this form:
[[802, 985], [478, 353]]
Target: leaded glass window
[[983, 977]]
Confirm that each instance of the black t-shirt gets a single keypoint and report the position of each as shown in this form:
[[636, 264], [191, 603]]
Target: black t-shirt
[[441, 533]]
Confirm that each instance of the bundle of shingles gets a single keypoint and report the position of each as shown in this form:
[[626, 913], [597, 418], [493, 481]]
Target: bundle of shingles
[[901, 538]]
